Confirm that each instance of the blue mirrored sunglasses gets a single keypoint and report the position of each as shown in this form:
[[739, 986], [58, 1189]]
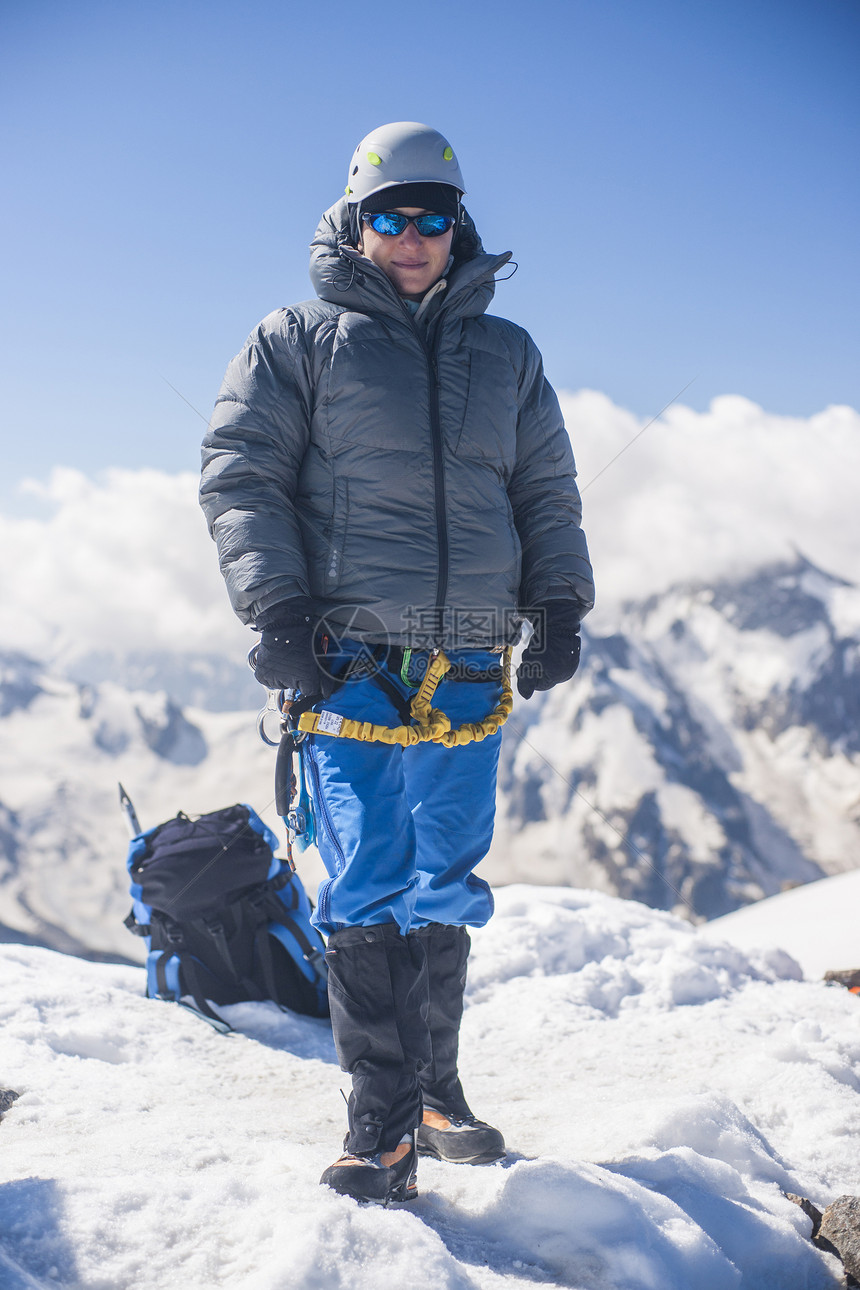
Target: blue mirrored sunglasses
[[390, 224]]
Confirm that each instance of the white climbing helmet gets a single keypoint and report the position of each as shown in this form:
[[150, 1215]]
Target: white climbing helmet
[[404, 152]]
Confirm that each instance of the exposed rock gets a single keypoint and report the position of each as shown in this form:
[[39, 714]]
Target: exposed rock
[[208, 681], [782, 598], [707, 754], [9, 834], [840, 1226], [849, 977], [809, 1210], [825, 1240], [18, 684], [168, 732], [7, 1097]]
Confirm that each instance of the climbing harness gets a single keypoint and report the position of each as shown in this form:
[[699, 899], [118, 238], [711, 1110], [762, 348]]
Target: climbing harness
[[428, 724]]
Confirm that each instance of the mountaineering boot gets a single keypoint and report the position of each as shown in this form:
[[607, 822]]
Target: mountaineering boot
[[380, 1178], [449, 1130], [377, 982], [461, 1140]]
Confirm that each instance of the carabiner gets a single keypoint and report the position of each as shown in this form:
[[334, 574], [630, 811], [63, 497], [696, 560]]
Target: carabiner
[[274, 703]]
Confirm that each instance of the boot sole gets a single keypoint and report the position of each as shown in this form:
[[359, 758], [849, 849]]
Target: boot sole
[[402, 1196], [398, 1197], [383, 1201], [485, 1158]]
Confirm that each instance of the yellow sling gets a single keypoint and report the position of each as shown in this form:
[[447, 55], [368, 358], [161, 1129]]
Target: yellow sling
[[430, 724]]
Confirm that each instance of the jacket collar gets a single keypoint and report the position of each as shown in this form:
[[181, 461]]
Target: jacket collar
[[342, 276]]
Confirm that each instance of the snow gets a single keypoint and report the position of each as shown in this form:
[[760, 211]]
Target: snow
[[818, 924], [659, 1091]]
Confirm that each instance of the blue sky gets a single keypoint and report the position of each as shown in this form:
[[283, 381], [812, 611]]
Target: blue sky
[[675, 178]]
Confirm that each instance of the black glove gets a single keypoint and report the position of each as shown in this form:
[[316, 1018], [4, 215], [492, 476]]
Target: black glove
[[284, 658], [552, 654]]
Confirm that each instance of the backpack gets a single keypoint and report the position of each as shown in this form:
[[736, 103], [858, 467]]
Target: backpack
[[224, 920]]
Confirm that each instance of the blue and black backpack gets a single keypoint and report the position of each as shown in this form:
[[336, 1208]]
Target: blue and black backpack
[[224, 920]]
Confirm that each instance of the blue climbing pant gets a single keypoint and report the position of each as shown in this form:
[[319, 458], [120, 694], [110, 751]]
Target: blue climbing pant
[[400, 830]]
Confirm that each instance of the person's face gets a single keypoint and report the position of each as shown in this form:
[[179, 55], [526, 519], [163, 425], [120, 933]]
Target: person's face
[[412, 262]]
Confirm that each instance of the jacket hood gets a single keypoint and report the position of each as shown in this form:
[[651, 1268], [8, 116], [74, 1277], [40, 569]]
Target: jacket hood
[[343, 276]]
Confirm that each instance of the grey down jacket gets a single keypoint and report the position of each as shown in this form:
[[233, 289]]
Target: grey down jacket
[[414, 478]]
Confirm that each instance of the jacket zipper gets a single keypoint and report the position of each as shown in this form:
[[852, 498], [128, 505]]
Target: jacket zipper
[[438, 474], [438, 488], [442, 545]]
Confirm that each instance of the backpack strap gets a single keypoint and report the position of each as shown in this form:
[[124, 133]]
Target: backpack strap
[[267, 967], [281, 914], [136, 928], [191, 981], [256, 900], [314, 956], [215, 928]]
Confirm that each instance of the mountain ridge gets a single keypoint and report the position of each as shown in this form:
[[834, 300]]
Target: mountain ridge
[[665, 768], [705, 755]]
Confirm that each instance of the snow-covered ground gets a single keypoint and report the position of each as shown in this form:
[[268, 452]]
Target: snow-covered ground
[[818, 924], [659, 1092]]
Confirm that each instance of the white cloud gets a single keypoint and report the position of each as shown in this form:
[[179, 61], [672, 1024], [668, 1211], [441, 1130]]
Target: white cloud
[[124, 562], [701, 494]]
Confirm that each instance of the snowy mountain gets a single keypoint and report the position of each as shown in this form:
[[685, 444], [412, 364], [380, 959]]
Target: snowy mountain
[[217, 682], [706, 754], [63, 748], [660, 1094]]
